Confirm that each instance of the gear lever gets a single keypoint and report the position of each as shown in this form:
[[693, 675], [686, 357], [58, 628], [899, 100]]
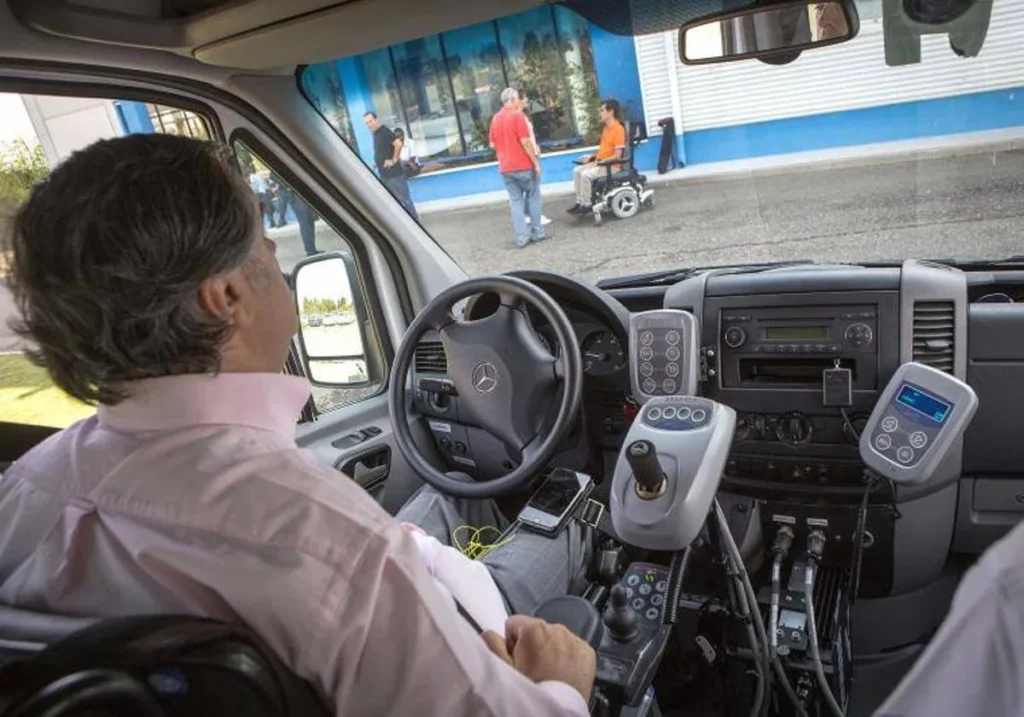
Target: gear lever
[[620, 619], [643, 461]]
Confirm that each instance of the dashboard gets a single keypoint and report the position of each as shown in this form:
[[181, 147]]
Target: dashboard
[[767, 337]]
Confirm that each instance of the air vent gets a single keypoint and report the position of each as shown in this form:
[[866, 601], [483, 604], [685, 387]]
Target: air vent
[[431, 358], [934, 328]]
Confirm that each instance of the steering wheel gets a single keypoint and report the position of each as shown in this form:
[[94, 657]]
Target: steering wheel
[[506, 381]]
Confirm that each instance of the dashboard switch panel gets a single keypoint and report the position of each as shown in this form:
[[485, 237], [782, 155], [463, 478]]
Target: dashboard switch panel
[[918, 417], [663, 354]]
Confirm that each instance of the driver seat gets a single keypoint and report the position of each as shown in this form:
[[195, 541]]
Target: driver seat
[[149, 665]]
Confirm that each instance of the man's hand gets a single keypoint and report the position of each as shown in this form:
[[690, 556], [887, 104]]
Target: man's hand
[[542, 651], [388, 163], [536, 168]]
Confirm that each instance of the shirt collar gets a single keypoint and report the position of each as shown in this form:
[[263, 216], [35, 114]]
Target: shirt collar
[[267, 401]]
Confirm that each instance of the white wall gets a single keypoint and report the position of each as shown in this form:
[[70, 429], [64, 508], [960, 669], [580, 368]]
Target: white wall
[[847, 76], [65, 124]]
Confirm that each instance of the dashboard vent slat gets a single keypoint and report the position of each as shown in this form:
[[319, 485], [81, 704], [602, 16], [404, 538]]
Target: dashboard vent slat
[[431, 358], [934, 334]]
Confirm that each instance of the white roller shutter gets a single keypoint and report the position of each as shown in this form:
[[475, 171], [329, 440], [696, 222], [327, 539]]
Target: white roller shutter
[[658, 78], [848, 76]]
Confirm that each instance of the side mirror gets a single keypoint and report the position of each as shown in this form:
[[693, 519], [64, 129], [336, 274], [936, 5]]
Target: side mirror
[[766, 31], [335, 335]]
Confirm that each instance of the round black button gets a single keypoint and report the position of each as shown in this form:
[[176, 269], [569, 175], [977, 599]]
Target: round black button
[[735, 336]]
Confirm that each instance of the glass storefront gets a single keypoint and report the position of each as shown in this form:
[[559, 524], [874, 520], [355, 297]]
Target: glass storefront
[[444, 89]]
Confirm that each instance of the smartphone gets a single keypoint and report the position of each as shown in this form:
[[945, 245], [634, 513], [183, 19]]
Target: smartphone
[[549, 509]]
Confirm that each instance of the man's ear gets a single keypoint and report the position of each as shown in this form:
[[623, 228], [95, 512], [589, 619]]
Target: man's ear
[[225, 298]]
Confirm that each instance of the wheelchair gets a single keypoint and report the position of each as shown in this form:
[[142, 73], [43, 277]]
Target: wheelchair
[[624, 191]]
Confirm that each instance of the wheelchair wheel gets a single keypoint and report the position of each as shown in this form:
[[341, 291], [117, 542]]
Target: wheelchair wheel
[[625, 203]]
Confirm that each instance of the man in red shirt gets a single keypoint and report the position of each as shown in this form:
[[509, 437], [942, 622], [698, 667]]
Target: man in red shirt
[[510, 138]]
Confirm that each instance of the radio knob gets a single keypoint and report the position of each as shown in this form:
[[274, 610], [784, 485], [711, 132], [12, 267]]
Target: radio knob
[[735, 337], [858, 334], [794, 428]]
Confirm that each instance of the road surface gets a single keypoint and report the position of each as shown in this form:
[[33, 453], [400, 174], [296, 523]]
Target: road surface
[[963, 206], [970, 205]]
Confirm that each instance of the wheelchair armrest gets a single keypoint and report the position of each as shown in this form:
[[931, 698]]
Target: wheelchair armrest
[[575, 613]]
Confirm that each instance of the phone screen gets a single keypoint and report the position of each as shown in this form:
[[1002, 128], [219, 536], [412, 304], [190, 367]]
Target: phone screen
[[556, 495]]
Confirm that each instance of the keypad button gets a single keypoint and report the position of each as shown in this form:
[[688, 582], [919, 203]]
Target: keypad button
[[647, 338], [672, 353], [890, 424], [672, 369], [683, 413], [698, 415], [918, 439], [652, 613], [661, 586], [647, 369], [653, 414], [883, 442], [657, 599], [669, 385], [633, 580], [645, 589], [638, 604], [668, 412], [673, 337], [905, 454], [646, 353], [650, 385]]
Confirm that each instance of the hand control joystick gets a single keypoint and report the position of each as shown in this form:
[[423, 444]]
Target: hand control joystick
[[620, 619], [643, 461]]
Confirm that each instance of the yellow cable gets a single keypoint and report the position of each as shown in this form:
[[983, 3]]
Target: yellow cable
[[473, 547]]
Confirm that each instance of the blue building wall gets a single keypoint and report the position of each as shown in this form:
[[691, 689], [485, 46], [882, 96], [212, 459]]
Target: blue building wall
[[617, 73], [907, 120], [134, 117]]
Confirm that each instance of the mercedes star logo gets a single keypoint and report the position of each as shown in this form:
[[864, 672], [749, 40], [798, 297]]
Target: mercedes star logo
[[485, 377]]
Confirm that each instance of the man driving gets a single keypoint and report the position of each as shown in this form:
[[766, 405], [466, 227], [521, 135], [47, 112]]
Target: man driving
[[613, 139], [144, 279]]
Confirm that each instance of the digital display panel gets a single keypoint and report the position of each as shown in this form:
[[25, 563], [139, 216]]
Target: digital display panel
[[795, 333], [927, 405]]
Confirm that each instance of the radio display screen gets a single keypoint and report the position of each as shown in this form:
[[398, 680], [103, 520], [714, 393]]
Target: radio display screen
[[914, 398], [795, 333]]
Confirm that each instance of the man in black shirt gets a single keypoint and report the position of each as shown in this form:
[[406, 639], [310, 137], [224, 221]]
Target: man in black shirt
[[386, 156]]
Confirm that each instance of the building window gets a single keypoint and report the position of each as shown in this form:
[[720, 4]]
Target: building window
[[170, 120], [478, 77], [444, 89], [533, 61], [322, 84], [426, 92]]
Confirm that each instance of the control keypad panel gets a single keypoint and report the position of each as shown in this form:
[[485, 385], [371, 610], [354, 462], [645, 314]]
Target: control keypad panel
[[647, 588], [663, 353], [921, 412], [678, 413], [910, 424]]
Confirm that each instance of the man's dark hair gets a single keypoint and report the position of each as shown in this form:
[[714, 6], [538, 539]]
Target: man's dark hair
[[370, 113], [614, 107], [109, 253]]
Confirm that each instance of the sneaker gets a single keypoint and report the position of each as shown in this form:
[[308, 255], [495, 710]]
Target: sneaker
[[544, 221]]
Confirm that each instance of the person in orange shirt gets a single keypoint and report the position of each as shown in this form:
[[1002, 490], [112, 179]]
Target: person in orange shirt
[[613, 141]]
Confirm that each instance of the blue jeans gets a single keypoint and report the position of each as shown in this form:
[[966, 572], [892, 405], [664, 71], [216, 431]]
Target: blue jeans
[[524, 198], [399, 186]]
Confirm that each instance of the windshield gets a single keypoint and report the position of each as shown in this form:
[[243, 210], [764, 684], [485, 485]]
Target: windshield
[[544, 141]]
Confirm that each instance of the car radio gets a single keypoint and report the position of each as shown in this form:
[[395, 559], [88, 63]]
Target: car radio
[[791, 346]]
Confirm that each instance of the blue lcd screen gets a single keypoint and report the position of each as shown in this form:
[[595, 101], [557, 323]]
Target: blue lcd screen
[[923, 403]]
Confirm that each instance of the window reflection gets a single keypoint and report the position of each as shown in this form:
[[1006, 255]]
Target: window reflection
[[380, 78], [533, 60], [474, 61], [322, 83], [427, 96]]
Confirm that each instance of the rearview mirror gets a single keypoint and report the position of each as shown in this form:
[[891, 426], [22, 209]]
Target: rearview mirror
[[334, 334], [766, 31]]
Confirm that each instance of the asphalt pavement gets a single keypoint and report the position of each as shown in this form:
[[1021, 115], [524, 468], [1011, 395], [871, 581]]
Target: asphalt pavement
[[968, 205], [971, 205]]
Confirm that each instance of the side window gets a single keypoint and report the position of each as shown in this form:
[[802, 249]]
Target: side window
[[338, 339], [37, 133]]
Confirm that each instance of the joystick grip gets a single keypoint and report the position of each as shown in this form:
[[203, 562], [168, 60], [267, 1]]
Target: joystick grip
[[643, 461], [620, 619]]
